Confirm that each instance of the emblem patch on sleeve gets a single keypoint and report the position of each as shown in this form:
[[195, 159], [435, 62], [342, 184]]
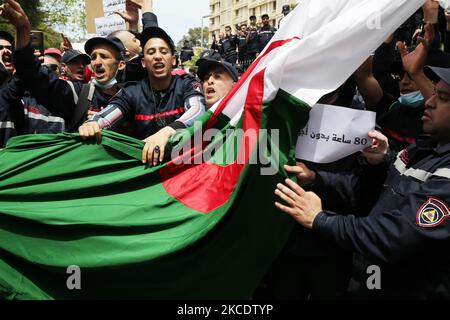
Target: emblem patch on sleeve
[[197, 86], [432, 213]]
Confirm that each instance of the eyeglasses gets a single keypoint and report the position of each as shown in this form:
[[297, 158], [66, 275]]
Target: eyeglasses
[[52, 67], [5, 47], [399, 75]]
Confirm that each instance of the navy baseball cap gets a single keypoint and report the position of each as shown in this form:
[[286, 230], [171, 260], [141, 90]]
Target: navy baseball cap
[[72, 54], [207, 64], [111, 41], [436, 74], [208, 55], [154, 31]]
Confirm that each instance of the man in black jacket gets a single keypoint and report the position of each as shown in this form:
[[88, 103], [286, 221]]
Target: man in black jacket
[[266, 33], [158, 105], [406, 235], [57, 95], [228, 46], [6, 61]]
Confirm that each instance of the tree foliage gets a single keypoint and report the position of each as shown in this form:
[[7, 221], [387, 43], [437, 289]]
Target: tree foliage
[[44, 15], [194, 37]]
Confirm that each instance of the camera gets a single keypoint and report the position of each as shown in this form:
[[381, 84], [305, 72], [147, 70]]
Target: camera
[[37, 40]]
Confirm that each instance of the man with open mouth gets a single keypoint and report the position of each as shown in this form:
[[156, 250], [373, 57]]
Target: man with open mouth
[[73, 64], [73, 100], [218, 78], [6, 63], [158, 105]]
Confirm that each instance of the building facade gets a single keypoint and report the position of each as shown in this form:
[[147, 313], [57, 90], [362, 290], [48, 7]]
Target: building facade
[[234, 12]]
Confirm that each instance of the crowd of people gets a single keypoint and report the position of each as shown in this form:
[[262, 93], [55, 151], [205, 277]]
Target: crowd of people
[[386, 206], [242, 48]]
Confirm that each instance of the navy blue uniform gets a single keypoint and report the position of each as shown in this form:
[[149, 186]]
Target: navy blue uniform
[[148, 111], [10, 108], [406, 233], [265, 34], [20, 113], [228, 48], [57, 95]]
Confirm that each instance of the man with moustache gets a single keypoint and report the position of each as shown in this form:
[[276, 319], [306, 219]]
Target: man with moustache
[[266, 32], [156, 106], [72, 101]]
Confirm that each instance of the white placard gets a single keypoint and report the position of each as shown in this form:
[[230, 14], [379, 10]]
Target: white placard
[[333, 133], [109, 6], [104, 26], [445, 4]]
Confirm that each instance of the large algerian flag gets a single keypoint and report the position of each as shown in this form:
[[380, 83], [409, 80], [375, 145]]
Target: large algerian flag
[[208, 229]]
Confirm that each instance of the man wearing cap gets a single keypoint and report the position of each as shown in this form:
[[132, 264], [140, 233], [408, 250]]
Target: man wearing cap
[[66, 99], [73, 65], [55, 53], [266, 33], [156, 106], [401, 246], [218, 78], [285, 10]]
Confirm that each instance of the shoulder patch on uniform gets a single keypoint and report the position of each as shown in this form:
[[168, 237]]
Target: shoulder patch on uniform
[[404, 156], [197, 86], [432, 213]]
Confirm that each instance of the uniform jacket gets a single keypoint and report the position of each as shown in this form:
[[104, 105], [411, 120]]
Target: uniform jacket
[[407, 232]]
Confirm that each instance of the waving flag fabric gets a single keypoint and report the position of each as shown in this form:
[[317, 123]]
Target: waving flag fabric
[[202, 225]]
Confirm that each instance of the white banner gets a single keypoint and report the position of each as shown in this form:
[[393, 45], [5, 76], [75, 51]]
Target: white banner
[[104, 26], [324, 43], [333, 133], [109, 6]]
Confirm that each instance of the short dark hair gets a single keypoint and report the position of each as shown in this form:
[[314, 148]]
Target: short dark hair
[[8, 37], [228, 27], [243, 24]]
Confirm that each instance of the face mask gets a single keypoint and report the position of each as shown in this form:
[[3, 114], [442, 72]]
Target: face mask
[[111, 83], [411, 99]]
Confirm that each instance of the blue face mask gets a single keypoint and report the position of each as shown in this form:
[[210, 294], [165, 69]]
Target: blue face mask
[[412, 99], [107, 85]]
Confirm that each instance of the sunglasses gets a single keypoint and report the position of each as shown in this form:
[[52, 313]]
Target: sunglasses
[[400, 75], [52, 67], [5, 47]]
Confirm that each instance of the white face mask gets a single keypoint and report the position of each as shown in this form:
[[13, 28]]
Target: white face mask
[[445, 4]]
